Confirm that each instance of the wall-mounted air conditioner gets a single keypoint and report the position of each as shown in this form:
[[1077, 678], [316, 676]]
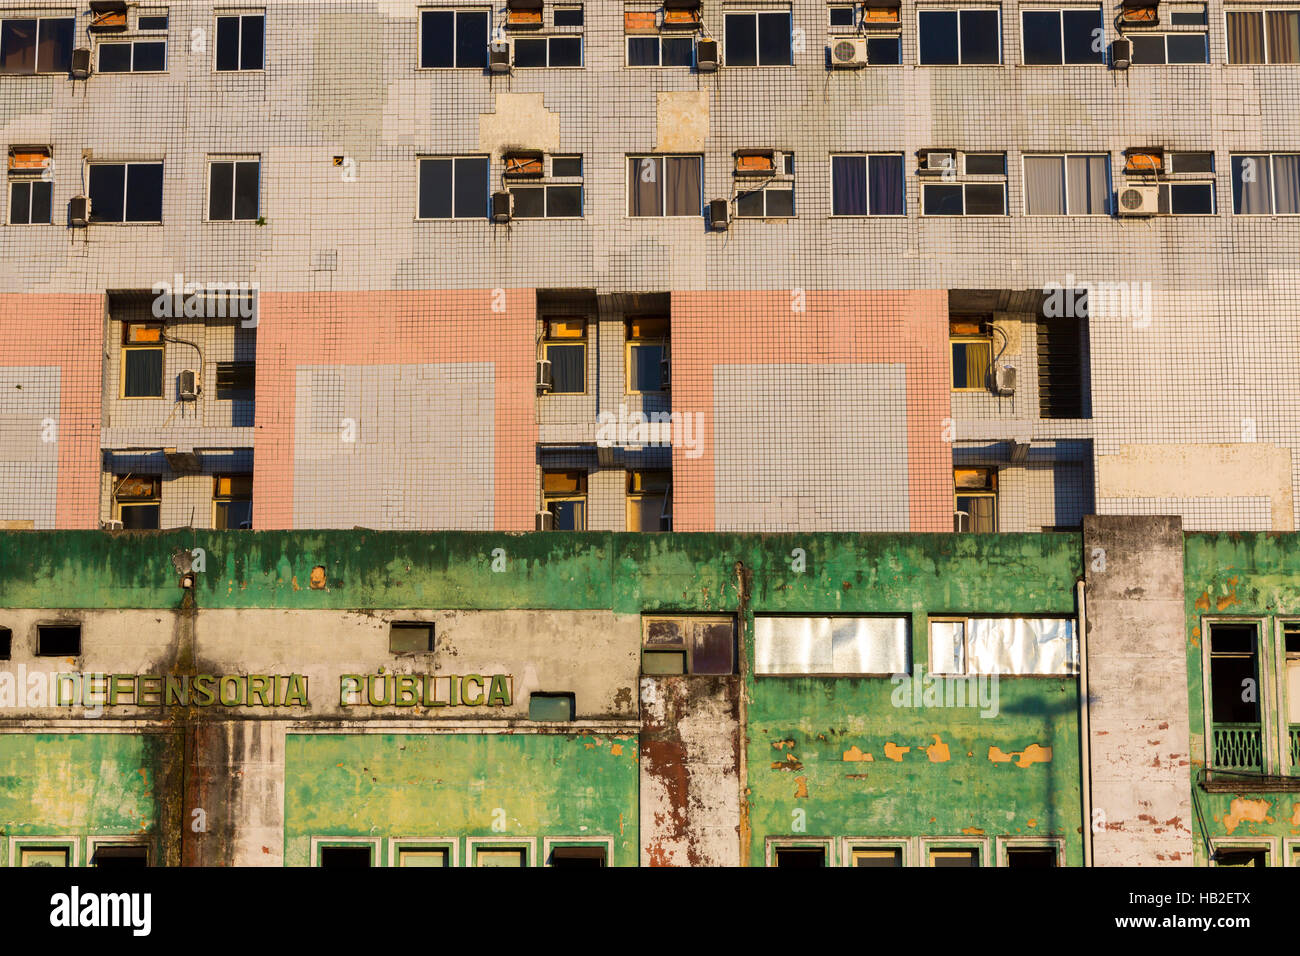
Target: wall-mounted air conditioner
[[938, 161], [1004, 379], [113, 525], [718, 214], [80, 68], [544, 380], [1121, 54], [188, 386], [502, 207], [79, 212], [706, 55], [1139, 201], [848, 53], [500, 56], [545, 521]]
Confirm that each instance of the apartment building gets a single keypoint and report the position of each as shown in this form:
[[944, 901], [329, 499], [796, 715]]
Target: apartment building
[[702, 266]]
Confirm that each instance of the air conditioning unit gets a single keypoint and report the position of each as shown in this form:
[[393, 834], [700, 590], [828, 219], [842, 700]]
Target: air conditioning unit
[[502, 205], [848, 53], [500, 56], [545, 521], [188, 386], [939, 160], [80, 64], [1121, 54], [79, 212], [706, 55], [718, 214], [1139, 201], [1004, 379], [113, 525], [544, 381]]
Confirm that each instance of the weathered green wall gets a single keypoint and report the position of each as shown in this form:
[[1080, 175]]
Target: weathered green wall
[[438, 785], [1255, 574], [79, 785]]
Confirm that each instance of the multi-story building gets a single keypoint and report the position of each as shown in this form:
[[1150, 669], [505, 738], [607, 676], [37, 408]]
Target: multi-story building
[[424, 265]]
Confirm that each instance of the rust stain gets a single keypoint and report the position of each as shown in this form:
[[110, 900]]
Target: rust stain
[[616, 750], [972, 831], [802, 789], [895, 752], [1247, 811], [938, 751], [1031, 822], [295, 583], [854, 753], [783, 744], [1032, 754], [1295, 814], [1227, 601], [1203, 602], [266, 849], [317, 578], [791, 762]]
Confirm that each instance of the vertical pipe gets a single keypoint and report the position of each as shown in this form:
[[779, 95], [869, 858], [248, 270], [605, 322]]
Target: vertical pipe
[[1085, 749]]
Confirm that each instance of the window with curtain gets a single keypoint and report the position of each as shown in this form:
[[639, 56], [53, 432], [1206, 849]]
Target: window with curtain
[[31, 45], [665, 186], [867, 185], [1266, 184], [566, 350], [1067, 185], [1263, 36]]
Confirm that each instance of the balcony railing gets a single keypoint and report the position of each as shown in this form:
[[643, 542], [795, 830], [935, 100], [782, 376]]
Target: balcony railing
[[1240, 747], [1295, 747]]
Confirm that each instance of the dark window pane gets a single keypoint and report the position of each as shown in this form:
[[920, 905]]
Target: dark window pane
[[569, 515], [647, 369], [20, 202], [566, 166], [741, 39], [471, 188], [713, 649], [1083, 36], [42, 201], [150, 57], [1231, 679], [1193, 199], [18, 46], [1187, 19], [1232, 639], [115, 58], [233, 515], [774, 39], [568, 18], [435, 189], [567, 371], [142, 517], [678, 51], [144, 373], [530, 52], [227, 43], [1042, 36], [849, 179], [986, 164], [985, 199], [942, 200], [1148, 49], [437, 38], [530, 203], [883, 51], [1194, 162], [979, 36], [938, 37], [471, 40], [780, 202], [107, 192], [153, 23], [1187, 48], [564, 201], [1037, 858], [345, 857], [246, 183], [566, 51], [642, 51], [250, 53], [750, 205], [842, 17], [55, 53], [800, 857], [221, 191], [885, 176], [144, 188]]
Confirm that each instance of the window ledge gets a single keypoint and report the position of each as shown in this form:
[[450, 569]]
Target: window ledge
[[1241, 781]]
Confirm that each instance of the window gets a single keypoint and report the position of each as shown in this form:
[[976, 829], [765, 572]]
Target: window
[[454, 38], [665, 186], [120, 855], [969, 198], [976, 502], [6, 643], [133, 56], [30, 201], [648, 46], [867, 185], [508, 856], [58, 640], [1186, 199], [1291, 683], [1160, 48], [45, 856], [36, 45], [1266, 184], [347, 857], [965, 37], [138, 502], [560, 200], [586, 856], [410, 637], [232, 502], [800, 856], [152, 20], [680, 644], [1007, 645], [422, 856], [1241, 856], [562, 48], [1073, 35], [770, 198], [954, 857], [843, 17], [142, 360], [1263, 36], [454, 188], [971, 344], [831, 645], [240, 42], [126, 192], [553, 707], [886, 857], [236, 381], [565, 347], [649, 501], [233, 190], [1234, 697], [647, 355], [1032, 857], [1061, 342], [757, 39], [1067, 185], [564, 495]]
